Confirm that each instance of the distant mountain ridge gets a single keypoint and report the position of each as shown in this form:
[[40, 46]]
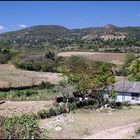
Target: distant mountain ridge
[[52, 33]]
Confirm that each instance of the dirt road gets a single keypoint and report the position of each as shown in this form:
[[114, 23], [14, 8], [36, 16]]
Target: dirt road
[[121, 132]]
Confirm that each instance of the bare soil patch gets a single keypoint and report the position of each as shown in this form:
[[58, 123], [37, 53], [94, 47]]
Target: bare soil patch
[[10, 108]]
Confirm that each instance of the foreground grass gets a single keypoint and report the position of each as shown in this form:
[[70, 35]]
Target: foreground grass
[[86, 122]]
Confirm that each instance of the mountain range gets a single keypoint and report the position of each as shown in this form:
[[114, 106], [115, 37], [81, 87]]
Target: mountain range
[[52, 33]]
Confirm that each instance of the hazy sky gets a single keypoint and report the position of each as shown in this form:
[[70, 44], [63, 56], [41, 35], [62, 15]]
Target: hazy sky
[[18, 15]]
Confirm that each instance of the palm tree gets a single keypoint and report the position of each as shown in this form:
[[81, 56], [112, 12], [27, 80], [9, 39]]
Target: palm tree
[[50, 55]]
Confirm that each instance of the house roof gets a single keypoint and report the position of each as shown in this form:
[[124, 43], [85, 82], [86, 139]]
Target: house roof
[[131, 87]]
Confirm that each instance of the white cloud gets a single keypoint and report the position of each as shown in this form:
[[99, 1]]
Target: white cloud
[[1, 28], [22, 26]]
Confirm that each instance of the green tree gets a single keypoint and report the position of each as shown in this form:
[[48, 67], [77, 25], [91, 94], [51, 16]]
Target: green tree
[[129, 58], [134, 70], [88, 77]]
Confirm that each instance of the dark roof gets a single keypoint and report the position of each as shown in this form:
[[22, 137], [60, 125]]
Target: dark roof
[[131, 87]]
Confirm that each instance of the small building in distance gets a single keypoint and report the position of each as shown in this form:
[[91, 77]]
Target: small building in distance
[[127, 91]]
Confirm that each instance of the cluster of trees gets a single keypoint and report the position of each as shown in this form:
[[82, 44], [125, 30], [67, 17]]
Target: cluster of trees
[[89, 78], [130, 68], [48, 63], [5, 55], [112, 45]]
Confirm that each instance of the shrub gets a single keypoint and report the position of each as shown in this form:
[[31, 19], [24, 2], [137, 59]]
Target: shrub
[[1, 130], [42, 114], [91, 102], [127, 103], [21, 127], [117, 105], [79, 104], [47, 85], [138, 131], [52, 112], [61, 109], [72, 106]]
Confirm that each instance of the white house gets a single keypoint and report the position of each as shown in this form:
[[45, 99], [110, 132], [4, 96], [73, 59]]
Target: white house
[[127, 91]]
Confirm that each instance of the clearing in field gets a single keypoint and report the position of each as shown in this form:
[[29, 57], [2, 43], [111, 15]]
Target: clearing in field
[[117, 58], [12, 77]]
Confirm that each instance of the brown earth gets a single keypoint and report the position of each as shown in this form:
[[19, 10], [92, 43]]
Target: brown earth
[[10, 108]]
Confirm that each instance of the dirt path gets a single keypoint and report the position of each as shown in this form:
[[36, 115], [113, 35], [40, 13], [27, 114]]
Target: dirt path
[[121, 132]]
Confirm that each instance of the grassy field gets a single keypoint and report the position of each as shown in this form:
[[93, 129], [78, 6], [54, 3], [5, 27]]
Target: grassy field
[[12, 77], [117, 58]]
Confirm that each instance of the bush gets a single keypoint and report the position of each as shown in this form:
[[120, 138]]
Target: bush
[[138, 131], [64, 108], [72, 106], [1, 130], [61, 109], [26, 93], [91, 102], [52, 112], [43, 114], [47, 85], [79, 104], [117, 105], [21, 127], [127, 103]]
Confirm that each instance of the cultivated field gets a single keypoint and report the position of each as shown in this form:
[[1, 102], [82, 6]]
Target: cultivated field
[[10, 108], [12, 77], [117, 58]]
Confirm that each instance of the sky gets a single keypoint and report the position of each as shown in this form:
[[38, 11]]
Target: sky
[[18, 15]]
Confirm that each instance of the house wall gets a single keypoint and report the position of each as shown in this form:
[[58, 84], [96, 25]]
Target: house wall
[[122, 97]]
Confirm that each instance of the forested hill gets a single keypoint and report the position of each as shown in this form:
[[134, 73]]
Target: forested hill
[[63, 37]]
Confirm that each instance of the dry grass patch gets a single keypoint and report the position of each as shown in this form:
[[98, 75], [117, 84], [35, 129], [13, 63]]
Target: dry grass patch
[[12, 77], [117, 58], [93, 122]]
